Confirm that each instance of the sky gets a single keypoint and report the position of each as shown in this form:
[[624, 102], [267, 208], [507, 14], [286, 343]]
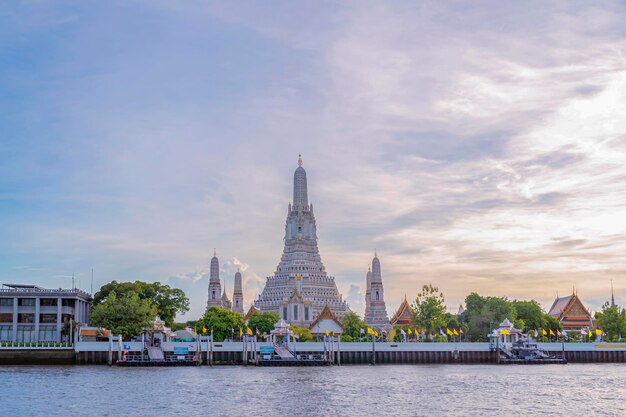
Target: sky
[[480, 146]]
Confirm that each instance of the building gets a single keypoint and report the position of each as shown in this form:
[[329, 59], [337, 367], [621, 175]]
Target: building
[[226, 304], [238, 294], [403, 316], [300, 287], [571, 313], [252, 310], [29, 313], [368, 290], [376, 310], [326, 322], [507, 333], [215, 285]]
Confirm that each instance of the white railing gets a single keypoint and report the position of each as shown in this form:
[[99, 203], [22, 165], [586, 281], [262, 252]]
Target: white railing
[[34, 345]]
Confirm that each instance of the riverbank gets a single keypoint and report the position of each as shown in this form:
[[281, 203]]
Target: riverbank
[[236, 353]]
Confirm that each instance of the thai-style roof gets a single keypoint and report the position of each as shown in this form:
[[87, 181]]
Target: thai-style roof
[[250, 312], [568, 305], [296, 297], [571, 312], [326, 314], [404, 314]]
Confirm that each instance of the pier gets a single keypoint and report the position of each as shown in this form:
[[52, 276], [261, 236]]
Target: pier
[[338, 353], [205, 352]]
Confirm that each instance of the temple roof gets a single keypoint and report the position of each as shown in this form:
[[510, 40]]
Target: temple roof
[[326, 314], [403, 312], [250, 312], [563, 305]]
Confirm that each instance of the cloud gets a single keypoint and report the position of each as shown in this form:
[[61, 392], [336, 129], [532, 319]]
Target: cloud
[[478, 148]]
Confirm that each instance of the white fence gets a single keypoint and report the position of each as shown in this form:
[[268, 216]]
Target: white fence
[[346, 347]]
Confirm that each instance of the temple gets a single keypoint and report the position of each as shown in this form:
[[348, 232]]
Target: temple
[[300, 288], [368, 290], [375, 309], [238, 294], [571, 313], [215, 285], [404, 314]]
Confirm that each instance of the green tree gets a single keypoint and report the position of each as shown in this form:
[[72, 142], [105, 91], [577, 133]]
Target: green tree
[[264, 322], [178, 326], [302, 333], [168, 301], [531, 313], [481, 313], [127, 314], [352, 324], [429, 309], [452, 321], [223, 323], [612, 321]]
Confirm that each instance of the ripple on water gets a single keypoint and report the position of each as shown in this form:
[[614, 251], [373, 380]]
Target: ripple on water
[[386, 390]]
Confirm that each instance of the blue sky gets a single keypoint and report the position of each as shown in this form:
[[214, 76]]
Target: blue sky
[[479, 147]]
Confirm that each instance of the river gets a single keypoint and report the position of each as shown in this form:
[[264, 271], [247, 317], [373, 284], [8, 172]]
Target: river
[[357, 390]]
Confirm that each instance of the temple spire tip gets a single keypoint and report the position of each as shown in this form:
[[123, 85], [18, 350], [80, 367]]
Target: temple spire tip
[[299, 159]]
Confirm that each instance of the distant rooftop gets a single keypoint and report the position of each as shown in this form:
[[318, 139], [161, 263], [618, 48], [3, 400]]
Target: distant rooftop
[[23, 286], [31, 288]]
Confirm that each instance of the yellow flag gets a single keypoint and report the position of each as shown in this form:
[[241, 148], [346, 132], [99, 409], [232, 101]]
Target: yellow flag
[[327, 334], [410, 331], [599, 332], [333, 332], [552, 333], [240, 332], [203, 330], [448, 331], [375, 333], [370, 331], [249, 330], [543, 331], [456, 333]]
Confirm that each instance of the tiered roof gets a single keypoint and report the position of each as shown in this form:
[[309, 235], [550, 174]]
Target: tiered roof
[[250, 312], [326, 314], [571, 312], [404, 314]]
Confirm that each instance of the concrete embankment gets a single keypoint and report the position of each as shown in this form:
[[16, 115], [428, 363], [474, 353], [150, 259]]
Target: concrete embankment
[[37, 356], [232, 353]]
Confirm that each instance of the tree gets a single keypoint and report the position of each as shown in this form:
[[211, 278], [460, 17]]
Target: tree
[[551, 323], [127, 314], [352, 325], [483, 313], [302, 333], [168, 301], [264, 322], [178, 326], [222, 322], [531, 313], [429, 310], [612, 321]]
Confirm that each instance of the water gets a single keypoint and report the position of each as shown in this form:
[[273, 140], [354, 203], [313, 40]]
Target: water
[[384, 390]]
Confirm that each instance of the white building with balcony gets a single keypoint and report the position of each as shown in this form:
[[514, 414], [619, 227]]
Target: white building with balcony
[[29, 313]]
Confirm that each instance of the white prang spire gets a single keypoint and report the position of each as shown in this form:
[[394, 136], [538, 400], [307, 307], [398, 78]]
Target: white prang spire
[[300, 198], [238, 294], [376, 314], [215, 285], [300, 288], [368, 290]]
